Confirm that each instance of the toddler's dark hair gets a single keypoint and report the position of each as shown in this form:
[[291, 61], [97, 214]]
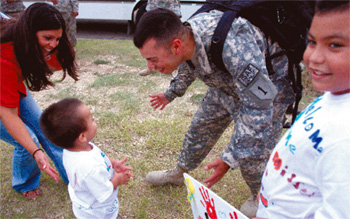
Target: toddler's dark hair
[[61, 123]]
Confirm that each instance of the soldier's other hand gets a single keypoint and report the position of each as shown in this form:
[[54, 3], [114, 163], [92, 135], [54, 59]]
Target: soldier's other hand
[[220, 169]]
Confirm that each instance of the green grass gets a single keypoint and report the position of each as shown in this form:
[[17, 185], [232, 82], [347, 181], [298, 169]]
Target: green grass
[[120, 49], [101, 62], [127, 126]]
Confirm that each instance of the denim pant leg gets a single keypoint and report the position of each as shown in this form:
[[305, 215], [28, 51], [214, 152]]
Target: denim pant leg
[[30, 115], [25, 172]]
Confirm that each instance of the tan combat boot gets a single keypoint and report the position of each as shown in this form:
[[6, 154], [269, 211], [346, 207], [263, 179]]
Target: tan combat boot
[[146, 72], [250, 207], [162, 177]]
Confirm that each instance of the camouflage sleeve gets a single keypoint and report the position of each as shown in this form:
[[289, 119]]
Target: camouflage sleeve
[[173, 5], [66, 5], [180, 83], [244, 58], [75, 5], [14, 6]]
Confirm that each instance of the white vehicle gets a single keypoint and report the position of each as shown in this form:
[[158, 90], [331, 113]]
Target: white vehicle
[[121, 10]]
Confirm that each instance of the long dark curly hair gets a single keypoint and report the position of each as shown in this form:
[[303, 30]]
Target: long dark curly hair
[[22, 32]]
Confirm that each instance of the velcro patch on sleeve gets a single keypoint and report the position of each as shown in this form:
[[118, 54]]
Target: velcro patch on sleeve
[[248, 75], [257, 87], [262, 89]]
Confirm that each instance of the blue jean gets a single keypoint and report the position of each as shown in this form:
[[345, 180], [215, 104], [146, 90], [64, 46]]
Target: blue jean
[[25, 171]]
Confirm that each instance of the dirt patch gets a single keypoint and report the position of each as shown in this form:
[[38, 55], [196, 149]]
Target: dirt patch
[[88, 73]]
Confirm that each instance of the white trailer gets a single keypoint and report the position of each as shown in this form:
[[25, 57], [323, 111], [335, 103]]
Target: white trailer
[[120, 10]]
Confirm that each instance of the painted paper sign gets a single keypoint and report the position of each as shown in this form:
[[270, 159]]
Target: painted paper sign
[[206, 204]]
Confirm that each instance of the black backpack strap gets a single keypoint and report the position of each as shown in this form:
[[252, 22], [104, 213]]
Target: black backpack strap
[[219, 37], [298, 91], [221, 6], [230, 9], [294, 74]]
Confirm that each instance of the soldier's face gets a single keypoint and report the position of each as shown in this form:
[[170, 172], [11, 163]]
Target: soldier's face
[[164, 60]]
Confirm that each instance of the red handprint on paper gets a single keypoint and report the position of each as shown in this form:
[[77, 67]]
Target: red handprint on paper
[[209, 203], [234, 214]]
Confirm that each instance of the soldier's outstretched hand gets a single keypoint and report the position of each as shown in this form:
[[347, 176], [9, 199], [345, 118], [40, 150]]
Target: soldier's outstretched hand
[[158, 100]]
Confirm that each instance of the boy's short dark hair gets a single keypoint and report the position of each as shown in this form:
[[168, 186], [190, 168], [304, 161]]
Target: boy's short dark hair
[[61, 124], [161, 24], [323, 6]]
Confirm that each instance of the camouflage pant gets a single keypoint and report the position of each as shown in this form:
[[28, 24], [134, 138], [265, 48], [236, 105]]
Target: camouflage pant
[[71, 26], [216, 112]]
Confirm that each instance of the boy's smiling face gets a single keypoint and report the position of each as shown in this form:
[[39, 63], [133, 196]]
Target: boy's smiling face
[[327, 55]]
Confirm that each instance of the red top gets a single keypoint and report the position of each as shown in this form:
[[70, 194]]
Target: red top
[[11, 81]]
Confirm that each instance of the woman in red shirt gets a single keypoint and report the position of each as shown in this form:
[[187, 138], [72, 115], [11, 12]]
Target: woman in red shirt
[[32, 47]]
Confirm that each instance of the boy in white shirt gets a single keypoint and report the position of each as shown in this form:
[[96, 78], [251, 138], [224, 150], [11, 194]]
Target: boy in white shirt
[[307, 175], [93, 184]]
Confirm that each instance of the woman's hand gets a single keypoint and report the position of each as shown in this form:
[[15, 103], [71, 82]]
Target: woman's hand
[[15, 126], [43, 164]]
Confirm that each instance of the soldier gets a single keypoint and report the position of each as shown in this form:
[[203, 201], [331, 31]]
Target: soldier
[[69, 10], [173, 5], [246, 95], [12, 7]]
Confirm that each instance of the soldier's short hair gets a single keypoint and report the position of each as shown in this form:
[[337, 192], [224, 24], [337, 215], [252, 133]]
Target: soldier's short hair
[[161, 24]]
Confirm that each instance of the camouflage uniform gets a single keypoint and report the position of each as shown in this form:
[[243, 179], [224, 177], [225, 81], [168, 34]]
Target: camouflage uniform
[[12, 8], [173, 5], [67, 7], [246, 96]]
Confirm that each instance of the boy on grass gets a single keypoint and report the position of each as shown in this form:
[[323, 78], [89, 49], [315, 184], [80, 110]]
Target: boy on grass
[[308, 175], [93, 185]]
